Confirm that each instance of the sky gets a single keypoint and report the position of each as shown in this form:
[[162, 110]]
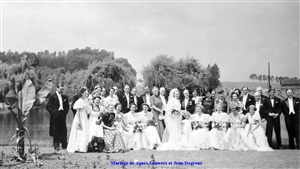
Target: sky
[[240, 37]]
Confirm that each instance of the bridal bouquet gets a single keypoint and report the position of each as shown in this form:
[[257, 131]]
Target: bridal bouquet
[[220, 126], [151, 123], [138, 127]]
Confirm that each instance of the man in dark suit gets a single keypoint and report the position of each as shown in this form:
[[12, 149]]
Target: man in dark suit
[[126, 99], [187, 103], [146, 96], [290, 109], [272, 111], [246, 99], [138, 101], [58, 107]]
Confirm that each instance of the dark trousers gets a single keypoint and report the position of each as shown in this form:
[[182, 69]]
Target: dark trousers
[[292, 126], [59, 130], [273, 123]]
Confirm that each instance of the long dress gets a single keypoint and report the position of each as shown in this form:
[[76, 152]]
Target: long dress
[[95, 130], [186, 133], [156, 101], [199, 135], [219, 120], [113, 139], [172, 134], [150, 137], [79, 138], [130, 119], [232, 140], [257, 139]]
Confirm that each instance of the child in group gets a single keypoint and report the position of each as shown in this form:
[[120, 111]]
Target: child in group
[[186, 131]]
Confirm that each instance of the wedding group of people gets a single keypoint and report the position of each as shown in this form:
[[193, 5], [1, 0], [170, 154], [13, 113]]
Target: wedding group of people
[[126, 121]]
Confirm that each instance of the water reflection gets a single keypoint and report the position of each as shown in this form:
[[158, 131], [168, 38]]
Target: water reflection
[[37, 123]]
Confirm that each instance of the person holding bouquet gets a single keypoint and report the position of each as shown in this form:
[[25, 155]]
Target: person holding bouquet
[[172, 134], [199, 135], [254, 135], [219, 125], [131, 124], [232, 140], [186, 131], [150, 137]]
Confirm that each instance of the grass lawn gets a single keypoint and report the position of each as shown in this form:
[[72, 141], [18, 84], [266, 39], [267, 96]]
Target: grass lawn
[[208, 158]]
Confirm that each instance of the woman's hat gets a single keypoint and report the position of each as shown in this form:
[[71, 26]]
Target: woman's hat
[[206, 91], [145, 104]]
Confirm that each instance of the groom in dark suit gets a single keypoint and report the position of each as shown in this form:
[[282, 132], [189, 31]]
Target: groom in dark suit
[[272, 111], [187, 103], [58, 107]]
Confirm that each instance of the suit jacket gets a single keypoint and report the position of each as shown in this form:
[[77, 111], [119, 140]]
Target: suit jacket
[[143, 96], [261, 109], [190, 107], [123, 101], [268, 108], [250, 101], [139, 103], [53, 106], [285, 106]]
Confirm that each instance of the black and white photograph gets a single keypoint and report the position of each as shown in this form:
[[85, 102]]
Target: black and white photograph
[[149, 84]]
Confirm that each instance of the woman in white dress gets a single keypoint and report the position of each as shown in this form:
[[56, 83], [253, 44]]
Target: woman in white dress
[[253, 134], [232, 140], [186, 127], [79, 135], [172, 134], [219, 124], [96, 129], [150, 135], [200, 121], [111, 98], [130, 120]]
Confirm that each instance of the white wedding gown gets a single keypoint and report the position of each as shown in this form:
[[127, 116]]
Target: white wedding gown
[[172, 137]]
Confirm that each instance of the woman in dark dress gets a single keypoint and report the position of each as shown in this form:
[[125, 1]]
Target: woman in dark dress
[[208, 103], [113, 138]]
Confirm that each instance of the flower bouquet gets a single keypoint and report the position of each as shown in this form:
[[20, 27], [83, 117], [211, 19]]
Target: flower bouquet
[[219, 126], [151, 123], [138, 127], [195, 125]]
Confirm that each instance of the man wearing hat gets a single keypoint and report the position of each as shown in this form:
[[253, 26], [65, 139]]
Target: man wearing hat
[[272, 111]]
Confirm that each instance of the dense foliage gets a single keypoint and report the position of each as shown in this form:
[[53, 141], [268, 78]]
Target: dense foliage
[[75, 68]]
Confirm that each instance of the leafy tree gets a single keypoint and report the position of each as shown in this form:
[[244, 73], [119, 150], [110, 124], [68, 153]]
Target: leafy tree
[[260, 78], [253, 76], [214, 76]]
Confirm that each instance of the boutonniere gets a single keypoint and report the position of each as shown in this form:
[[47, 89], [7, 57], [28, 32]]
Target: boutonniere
[[297, 102], [65, 100], [131, 96], [276, 101], [191, 103], [249, 100]]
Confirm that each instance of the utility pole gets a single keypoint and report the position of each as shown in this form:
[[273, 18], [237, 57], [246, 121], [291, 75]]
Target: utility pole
[[269, 83]]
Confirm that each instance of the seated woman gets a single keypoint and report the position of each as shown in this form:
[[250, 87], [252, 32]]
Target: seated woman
[[113, 139], [232, 139], [199, 135], [79, 135], [253, 134], [95, 117], [219, 123], [150, 137], [130, 120]]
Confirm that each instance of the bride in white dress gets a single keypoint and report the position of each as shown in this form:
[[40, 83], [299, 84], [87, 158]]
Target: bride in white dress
[[172, 135]]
